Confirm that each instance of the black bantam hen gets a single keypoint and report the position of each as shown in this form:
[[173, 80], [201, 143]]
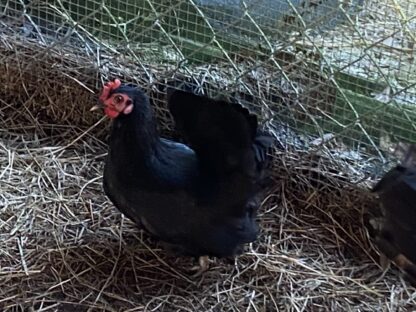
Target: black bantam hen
[[393, 227], [200, 200]]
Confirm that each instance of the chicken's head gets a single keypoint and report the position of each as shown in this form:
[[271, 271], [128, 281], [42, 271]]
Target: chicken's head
[[113, 102]]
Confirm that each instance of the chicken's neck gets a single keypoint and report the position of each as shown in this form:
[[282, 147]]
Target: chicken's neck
[[135, 138]]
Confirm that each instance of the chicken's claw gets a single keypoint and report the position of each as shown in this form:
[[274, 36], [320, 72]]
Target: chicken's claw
[[203, 266], [384, 262]]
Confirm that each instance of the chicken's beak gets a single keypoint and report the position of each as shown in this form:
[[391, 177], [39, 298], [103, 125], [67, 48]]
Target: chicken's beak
[[97, 106]]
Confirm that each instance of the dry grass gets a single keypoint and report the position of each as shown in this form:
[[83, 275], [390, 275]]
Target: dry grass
[[64, 247]]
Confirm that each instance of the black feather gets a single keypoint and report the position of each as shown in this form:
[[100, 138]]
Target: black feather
[[395, 233]]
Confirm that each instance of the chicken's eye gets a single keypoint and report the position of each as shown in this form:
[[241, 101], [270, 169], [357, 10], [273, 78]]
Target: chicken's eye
[[118, 99]]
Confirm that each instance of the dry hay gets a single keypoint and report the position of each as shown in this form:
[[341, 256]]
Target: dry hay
[[64, 247]]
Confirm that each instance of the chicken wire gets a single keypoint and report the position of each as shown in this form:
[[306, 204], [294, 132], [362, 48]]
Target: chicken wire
[[330, 69], [331, 79]]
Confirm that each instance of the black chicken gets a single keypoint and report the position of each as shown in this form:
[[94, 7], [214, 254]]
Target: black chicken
[[201, 201], [393, 228]]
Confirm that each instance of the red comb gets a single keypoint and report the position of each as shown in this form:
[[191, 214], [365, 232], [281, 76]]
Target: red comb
[[108, 87]]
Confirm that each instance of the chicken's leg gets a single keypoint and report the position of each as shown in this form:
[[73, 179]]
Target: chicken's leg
[[203, 266]]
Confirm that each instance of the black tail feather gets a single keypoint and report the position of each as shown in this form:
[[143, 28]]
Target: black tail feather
[[263, 147], [263, 144], [221, 133]]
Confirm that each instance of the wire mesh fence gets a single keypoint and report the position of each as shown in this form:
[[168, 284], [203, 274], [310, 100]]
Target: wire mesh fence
[[336, 68], [334, 80]]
